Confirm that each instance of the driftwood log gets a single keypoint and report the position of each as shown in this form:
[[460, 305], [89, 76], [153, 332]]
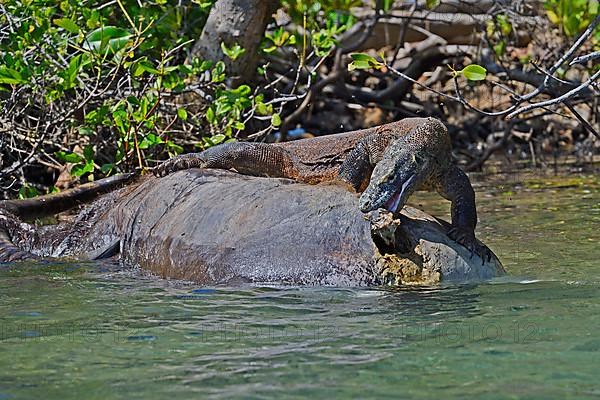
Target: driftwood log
[[214, 227]]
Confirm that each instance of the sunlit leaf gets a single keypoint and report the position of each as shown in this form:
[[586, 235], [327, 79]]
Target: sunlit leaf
[[275, 120], [66, 24], [10, 76], [217, 139], [68, 157], [182, 114], [107, 37], [363, 61], [474, 72]]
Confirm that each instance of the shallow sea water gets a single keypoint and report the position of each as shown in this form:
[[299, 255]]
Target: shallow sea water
[[92, 331]]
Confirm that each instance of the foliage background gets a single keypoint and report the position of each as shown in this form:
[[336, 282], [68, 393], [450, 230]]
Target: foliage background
[[90, 88]]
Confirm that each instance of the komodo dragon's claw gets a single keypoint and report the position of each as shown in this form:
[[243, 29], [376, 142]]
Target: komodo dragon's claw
[[467, 239], [181, 162]]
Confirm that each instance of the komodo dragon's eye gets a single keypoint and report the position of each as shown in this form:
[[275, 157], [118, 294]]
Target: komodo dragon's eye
[[387, 178]]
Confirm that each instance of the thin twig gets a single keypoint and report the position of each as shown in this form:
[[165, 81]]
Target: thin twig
[[557, 100]]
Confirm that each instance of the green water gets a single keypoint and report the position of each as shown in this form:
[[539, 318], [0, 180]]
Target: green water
[[93, 332]]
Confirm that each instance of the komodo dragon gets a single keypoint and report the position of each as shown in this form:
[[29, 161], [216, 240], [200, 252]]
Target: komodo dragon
[[386, 163]]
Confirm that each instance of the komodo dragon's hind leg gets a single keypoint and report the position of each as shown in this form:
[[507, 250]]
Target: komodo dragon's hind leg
[[258, 159]]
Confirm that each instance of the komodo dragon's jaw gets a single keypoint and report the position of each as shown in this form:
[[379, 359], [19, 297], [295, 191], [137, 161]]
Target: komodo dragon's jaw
[[402, 170]]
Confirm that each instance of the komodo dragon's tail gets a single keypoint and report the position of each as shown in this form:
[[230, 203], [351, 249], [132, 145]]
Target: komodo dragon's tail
[[13, 211], [51, 204]]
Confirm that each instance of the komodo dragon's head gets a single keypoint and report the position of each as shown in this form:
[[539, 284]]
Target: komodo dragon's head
[[408, 162]]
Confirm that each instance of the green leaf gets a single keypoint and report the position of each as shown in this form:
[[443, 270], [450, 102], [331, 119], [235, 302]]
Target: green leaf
[[553, 17], [474, 72], [79, 169], [387, 5], [233, 52], [66, 24], [75, 65], [323, 41], [431, 3], [88, 153], [571, 24], [203, 4], [10, 76], [504, 23], [217, 139], [121, 121], [143, 65], [133, 100], [275, 120], [264, 109], [363, 61], [182, 114], [358, 65], [210, 116], [107, 168], [174, 147], [500, 48], [242, 90], [218, 72], [27, 192], [85, 131], [362, 57], [107, 37], [68, 157], [223, 108], [150, 140], [92, 21], [490, 28], [205, 65]]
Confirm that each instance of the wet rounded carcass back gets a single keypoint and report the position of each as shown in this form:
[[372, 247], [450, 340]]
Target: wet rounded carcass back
[[214, 226]]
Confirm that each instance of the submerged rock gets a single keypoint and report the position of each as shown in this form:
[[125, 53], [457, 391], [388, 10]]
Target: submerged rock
[[213, 226]]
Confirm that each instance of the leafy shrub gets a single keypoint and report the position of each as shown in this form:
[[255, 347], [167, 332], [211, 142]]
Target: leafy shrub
[[104, 89], [573, 15]]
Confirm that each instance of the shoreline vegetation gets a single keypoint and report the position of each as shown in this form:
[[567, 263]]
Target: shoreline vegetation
[[88, 90]]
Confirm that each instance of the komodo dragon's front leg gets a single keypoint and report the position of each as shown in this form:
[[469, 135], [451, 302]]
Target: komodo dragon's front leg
[[455, 186], [258, 159], [421, 160]]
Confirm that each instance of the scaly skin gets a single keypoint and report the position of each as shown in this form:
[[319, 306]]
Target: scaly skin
[[12, 229], [387, 163]]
